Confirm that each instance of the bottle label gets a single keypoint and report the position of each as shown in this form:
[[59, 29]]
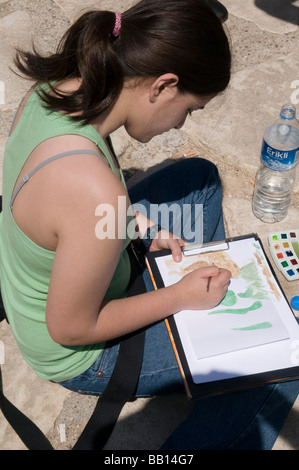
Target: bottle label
[[279, 160]]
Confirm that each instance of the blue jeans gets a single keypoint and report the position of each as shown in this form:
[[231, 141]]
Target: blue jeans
[[249, 419]]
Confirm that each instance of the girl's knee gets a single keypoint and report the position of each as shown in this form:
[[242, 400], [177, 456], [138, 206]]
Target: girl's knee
[[200, 171], [202, 165]]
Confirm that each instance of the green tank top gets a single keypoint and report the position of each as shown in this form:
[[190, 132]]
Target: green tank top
[[25, 267]]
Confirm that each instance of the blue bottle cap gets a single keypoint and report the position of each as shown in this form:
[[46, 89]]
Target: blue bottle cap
[[288, 112], [295, 302]]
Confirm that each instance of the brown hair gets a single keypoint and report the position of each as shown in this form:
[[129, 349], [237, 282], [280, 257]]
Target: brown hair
[[183, 37]]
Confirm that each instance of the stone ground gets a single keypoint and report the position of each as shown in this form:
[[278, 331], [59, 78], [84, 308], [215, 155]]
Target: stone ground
[[265, 37]]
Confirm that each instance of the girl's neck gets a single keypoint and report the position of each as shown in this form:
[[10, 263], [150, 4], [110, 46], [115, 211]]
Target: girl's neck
[[109, 121]]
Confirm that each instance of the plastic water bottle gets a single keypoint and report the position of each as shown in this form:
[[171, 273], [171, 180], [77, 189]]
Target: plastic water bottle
[[276, 175]]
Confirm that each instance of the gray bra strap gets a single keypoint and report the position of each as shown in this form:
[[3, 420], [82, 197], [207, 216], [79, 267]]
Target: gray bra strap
[[60, 155]]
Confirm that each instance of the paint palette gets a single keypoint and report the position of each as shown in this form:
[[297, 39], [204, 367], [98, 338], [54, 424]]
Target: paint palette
[[284, 249]]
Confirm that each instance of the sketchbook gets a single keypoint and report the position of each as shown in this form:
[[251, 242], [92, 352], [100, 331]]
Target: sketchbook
[[250, 338]]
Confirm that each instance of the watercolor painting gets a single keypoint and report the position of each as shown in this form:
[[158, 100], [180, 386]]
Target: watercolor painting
[[248, 316]]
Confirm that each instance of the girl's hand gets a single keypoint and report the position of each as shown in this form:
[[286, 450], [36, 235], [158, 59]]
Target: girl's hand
[[165, 240], [204, 288]]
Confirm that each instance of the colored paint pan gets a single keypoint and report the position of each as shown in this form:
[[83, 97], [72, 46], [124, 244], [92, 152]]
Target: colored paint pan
[[284, 249]]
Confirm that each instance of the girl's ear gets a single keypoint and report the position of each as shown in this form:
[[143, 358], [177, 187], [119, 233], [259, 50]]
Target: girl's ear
[[168, 82]]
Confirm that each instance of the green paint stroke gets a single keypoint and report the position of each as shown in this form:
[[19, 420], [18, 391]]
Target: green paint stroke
[[239, 311], [257, 326], [230, 299], [247, 294], [250, 273]]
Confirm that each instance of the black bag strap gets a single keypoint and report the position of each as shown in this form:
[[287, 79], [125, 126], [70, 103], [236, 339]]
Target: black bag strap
[[124, 379], [119, 390], [28, 432]]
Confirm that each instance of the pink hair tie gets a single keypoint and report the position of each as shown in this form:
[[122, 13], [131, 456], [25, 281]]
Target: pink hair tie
[[117, 25]]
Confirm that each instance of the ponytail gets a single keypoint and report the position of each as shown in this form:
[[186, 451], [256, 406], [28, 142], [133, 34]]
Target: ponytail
[[84, 52], [183, 37]]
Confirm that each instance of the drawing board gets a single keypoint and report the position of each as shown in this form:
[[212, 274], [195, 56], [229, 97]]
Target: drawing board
[[252, 333]]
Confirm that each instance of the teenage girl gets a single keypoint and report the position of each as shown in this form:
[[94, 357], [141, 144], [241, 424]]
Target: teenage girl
[[63, 282]]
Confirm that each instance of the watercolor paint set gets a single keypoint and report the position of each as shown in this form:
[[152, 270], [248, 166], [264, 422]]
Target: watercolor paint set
[[284, 249]]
